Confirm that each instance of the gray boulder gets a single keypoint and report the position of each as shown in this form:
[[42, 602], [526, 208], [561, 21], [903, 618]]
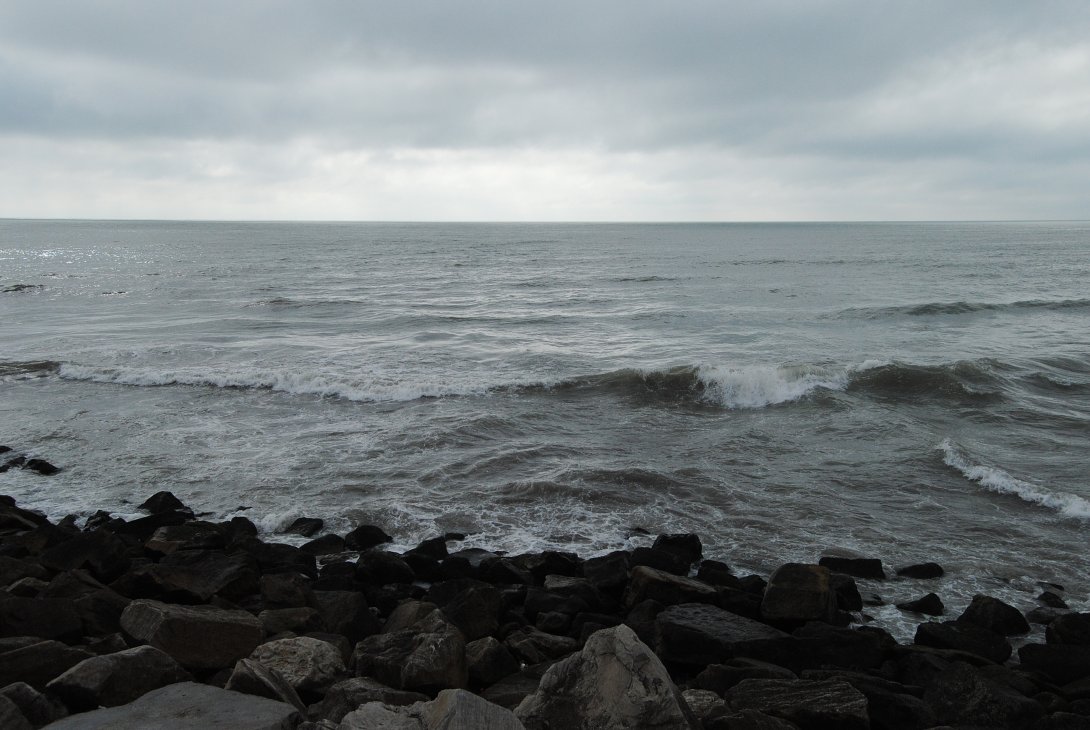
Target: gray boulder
[[307, 664], [798, 593], [116, 679], [254, 678], [198, 637], [38, 708], [11, 717], [808, 704], [452, 709], [346, 696], [666, 588], [188, 706], [699, 634], [431, 655], [616, 681], [995, 615]]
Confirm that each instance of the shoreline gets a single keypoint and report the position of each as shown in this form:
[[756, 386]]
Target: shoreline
[[123, 610]]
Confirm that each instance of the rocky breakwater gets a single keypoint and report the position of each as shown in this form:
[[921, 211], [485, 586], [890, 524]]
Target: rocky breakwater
[[173, 621]]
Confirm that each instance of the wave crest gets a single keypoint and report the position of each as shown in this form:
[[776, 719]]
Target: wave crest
[[929, 309]]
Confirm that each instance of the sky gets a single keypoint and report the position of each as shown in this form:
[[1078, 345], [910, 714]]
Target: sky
[[497, 110]]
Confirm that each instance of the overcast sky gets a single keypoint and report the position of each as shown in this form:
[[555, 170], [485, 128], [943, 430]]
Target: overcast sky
[[505, 110]]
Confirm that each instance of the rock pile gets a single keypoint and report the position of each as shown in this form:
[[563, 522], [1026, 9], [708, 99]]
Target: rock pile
[[169, 620]]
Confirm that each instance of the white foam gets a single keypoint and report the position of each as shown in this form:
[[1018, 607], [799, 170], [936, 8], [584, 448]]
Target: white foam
[[764, 385], [999, 481]]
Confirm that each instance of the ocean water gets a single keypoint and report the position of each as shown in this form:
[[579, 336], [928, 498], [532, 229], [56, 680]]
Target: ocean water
[[904, 391]]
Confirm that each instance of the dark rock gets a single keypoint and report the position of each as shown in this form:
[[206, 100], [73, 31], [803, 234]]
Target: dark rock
[[550, 562], [429, 656], [1063, 721], [615, 682], [963, 696], [1071, 628], [608, 573], [365, 537], [189, 706], [514, 688], [488, 662], [686, 546], [37, 708], [921, 570], [435, 547], [296, 620], [994, 615], [163, 502], [533, 646], [424, 567], [475, 610], [238, 527], [145, 527], [641, 619], [325, 545], [346, 696], [41, 466], [456, 566], [809, 704], [964, 637], [109, 644], [504, 571], [100, 552], [540, 600], [38, 662], [740, 602], [553, 622], [307, 664], [100, 611], [47, 618], [748, 720], [407, 614], [196, 535], [716, 573], [194, 576], [857, 567], [278, 558], [798, 593], [650, 584], [1052, 600], [821, 645], [664, 560], [116, 679], [699, 634], [286, 590], [1060, 663], [719, 678], [380, 568], [847, 593], [13, 569], [11, 717], [929, 605], [305, 526], [346, 613], [198, 637], [337, 576], [452, 709], [253, 678], [889, 704]]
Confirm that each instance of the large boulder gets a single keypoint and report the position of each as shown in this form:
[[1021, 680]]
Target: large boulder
[[47, 618], [452, 709], [188, 706], [254, 678], [346, 613], [11, 717], [102, 553], [37, 662], [475, 610], [699, 634], [964, 636], [616, 681], [994, 615], [1071, 628], [116, 679], [798, 593], [1061, 663], [963, 695], [346, 696], [807, 703], [198, 637], [37, 708], [668, 589], [489, 661], [194, 576], [308, 665], [929, 605], [431, 655]]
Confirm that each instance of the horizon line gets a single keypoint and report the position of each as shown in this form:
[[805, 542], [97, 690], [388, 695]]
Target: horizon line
[[541, 222]]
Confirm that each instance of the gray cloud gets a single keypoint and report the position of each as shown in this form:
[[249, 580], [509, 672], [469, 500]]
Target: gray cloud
[[641, 96]]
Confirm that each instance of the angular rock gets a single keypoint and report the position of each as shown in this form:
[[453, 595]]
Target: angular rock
[[407, 614], [616, 681], [307, 664], [296, 620], [41, 466], [704, 704], [475, 610], [286, 590], [429, 656], [254, 678], [163, 502], [1061, 663], [847, 592], [46, 618], [346, 613], [821, 645], [379, 568], [748, 720], [489, 661], [856, 567], [145, 527], [198, 637], [194, 576], [306, 526], [11, 717], [13, 569], [116, 679], [929, 605], [807, 703], [37, 662], [504, 571], [699, 634], [994, 615], [962, 695], [277, 557], [325, 545], [37, 708], [188, 706], [1071, 628], [189, 536], [649, 584], [964, 637], [718, 678], [533, 646], [686, 546], [608, 573], [921, 570], [664, 560], [346, 696], [514, 688], [365, 537], [798, 593]]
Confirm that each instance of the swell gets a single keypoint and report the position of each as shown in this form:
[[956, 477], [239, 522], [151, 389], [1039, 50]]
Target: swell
[[930, 309]]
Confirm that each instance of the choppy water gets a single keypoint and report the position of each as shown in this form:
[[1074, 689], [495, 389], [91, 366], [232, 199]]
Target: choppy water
[[907, 391]]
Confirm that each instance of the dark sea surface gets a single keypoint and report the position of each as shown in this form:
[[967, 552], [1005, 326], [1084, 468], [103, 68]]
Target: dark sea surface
[[904, 391]]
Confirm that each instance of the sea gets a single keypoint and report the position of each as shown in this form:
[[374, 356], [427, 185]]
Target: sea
[[907, 391]]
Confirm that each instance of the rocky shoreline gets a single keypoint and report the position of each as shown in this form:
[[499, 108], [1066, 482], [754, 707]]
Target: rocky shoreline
[[173, 621]]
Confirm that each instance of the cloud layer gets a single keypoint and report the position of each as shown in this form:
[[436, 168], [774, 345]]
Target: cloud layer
[[563, 111]]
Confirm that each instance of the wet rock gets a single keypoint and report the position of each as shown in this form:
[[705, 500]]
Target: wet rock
[[11, 717], [286, 590], [964, 637], [821, 645], [1071, 628], [325, 545], [608, 573], [856, 567], [664, 560], [295, 620], [37, 708], [994, 615], [807, 703], [253, 678], [346, 696], [716, 573], [699, 634], [163, 502], [429, 656], [376, 567], [847, 592], [489, 661], [198, 637], [650, 584], [307, 664], [504, 571], [475, 610], [194, 535], [189, 706], [798, 593], [921, 570], [929, 605], [1052, 599], [116, 679], [540, 600], [346, 613], [1060, 663], [533, 646], [365, 537], [100, 552], [41, 466], [47, 618], [278, 558], [37, 662], [961, 695], [514, 688], [686, 546], [144, 527], [305, 526], [719, 678], [194, 576], [616, 681]]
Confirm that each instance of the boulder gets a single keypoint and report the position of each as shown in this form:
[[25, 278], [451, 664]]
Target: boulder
[[407, 614], [685, 546], [305, 526], [163, 502], [533, 646], [514, 688], [37, 662], [650, 584], [365, 537], [704, 704], [807, 703], [856, 567], [608, 573], [254, 678], [921, 570], [962, 695], [488, 661], [964, 636], [1061, 663], [46, 618], [699, 634], [296, 620], [664, 560], [346, 696], [307, 664], [429, 656], [847, 592], [275, 557], [798, 593], [718, 678], [14, 569], [1071, 628], [11, 717], [378, 568], [189, 706], [194, 535], [616, 681], [994, 615], [286, 590], [748, 720], [325, 545], [929, 605], [116, 679], [452, 709], [346, 613], [144, 527], [194, 576], [37, 708], [475, 610], [198, 637], [822, 645], [1052, 599], [41, 466]]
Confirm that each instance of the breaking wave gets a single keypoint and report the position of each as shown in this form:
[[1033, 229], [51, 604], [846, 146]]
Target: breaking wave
[[996, 480], [962, 307]]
